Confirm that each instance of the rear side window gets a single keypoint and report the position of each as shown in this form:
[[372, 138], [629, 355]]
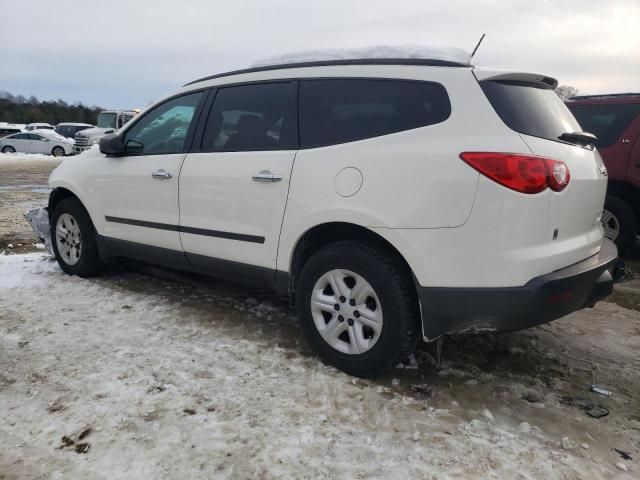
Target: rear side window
[[336, 111], [531, 110], [607, 122], [252, 117]]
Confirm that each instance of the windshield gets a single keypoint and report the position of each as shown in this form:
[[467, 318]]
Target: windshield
[[106, 120], [531, 110], [607, 122]]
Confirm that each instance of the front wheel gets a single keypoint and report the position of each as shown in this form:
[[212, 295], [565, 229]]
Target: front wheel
[[57, 152], [74, 240], [8, 149], [357, 306]]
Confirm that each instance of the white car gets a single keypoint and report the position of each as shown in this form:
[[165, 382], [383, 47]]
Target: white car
[[37, 141], [38, 126], [393, 199]]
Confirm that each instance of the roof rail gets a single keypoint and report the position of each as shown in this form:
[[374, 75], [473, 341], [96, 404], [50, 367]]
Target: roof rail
[[604, 95], [325, 63]]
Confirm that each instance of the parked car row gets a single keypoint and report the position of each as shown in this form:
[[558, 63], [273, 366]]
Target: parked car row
[[109, 121], [37, 141], [40, 138]]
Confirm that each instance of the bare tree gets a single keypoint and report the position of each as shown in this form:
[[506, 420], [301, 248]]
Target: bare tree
[[565, 92]]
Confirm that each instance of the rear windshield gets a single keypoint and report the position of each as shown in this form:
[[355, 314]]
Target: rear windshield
[[607, 122], [531, 110]]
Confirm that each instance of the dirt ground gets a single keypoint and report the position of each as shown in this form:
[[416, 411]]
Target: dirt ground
[[23, 185], [148, 373]]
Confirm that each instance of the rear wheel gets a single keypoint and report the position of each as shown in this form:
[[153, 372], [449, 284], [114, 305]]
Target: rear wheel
[[74, 240], [357, 307], [620, 223], [57, 152], [8, 149]]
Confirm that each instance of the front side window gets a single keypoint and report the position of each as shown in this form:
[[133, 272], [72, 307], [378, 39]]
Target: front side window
[[164, 128], [20, 136], [334, 111], [252, 117]]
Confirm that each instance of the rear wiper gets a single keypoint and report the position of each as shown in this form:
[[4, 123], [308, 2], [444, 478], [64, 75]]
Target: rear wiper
[[583, 139]]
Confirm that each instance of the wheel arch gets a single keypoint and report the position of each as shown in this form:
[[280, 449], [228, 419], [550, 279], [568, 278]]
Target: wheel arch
[[324, 234], [58, 146], [60, 193]]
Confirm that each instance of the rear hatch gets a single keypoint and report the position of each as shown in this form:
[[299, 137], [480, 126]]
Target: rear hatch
[[528, 104]]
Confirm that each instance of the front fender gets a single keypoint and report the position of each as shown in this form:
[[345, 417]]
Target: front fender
[[62, 189]]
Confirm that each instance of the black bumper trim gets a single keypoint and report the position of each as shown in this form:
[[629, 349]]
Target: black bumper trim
[[542, 299]]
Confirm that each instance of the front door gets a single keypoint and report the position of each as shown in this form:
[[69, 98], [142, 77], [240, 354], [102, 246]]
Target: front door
[[233, 191], [40, 144], [138, 192]]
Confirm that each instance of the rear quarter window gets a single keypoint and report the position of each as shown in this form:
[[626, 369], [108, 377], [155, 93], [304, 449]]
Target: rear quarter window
[[334, 111], [529, 109], [607, 122]]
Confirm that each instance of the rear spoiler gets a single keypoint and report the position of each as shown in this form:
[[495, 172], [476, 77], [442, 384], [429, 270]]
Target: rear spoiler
[[533, 79]]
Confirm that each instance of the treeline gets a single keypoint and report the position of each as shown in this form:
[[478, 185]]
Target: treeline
[[19, 109]]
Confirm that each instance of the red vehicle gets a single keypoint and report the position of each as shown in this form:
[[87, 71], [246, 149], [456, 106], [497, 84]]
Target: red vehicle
[[615, 120]]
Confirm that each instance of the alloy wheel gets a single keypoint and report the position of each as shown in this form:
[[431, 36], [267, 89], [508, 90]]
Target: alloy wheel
[[346, 311], [68, 239], [611, 225]]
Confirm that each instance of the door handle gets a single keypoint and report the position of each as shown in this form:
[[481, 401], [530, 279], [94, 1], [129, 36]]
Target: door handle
[[266, 176], [161, 174]]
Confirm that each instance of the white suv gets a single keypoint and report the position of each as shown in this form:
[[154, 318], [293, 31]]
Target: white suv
[[392, 199]]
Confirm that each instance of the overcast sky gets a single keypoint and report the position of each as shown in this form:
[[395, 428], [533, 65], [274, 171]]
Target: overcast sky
[[115, 53]]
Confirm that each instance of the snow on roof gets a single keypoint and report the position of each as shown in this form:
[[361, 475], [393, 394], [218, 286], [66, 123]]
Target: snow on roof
[[450, 54]]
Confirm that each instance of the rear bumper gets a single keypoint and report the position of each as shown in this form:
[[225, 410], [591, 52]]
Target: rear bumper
[[542, 299]]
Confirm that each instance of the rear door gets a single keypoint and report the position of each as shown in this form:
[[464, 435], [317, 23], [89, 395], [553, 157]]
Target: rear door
[[533, 109], [23, 142], [233, 190]]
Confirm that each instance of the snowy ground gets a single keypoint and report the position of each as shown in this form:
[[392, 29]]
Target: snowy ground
[[145, 373], [6, 158]]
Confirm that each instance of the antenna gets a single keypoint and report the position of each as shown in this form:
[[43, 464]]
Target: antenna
[[477, 46]]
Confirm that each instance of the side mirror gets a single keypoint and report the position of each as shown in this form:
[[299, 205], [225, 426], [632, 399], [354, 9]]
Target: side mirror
[[112, 145]]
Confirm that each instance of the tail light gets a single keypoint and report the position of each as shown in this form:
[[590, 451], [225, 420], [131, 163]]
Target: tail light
[[522, 173]]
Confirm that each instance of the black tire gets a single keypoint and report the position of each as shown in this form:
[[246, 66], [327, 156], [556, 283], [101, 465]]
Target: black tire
[[392, 284], [89, 263], [627, 221], [57, 152], [8, 149]]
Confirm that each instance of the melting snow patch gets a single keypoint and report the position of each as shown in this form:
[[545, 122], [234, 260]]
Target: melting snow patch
[[27, 157], [24, 271], [376, 52]]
